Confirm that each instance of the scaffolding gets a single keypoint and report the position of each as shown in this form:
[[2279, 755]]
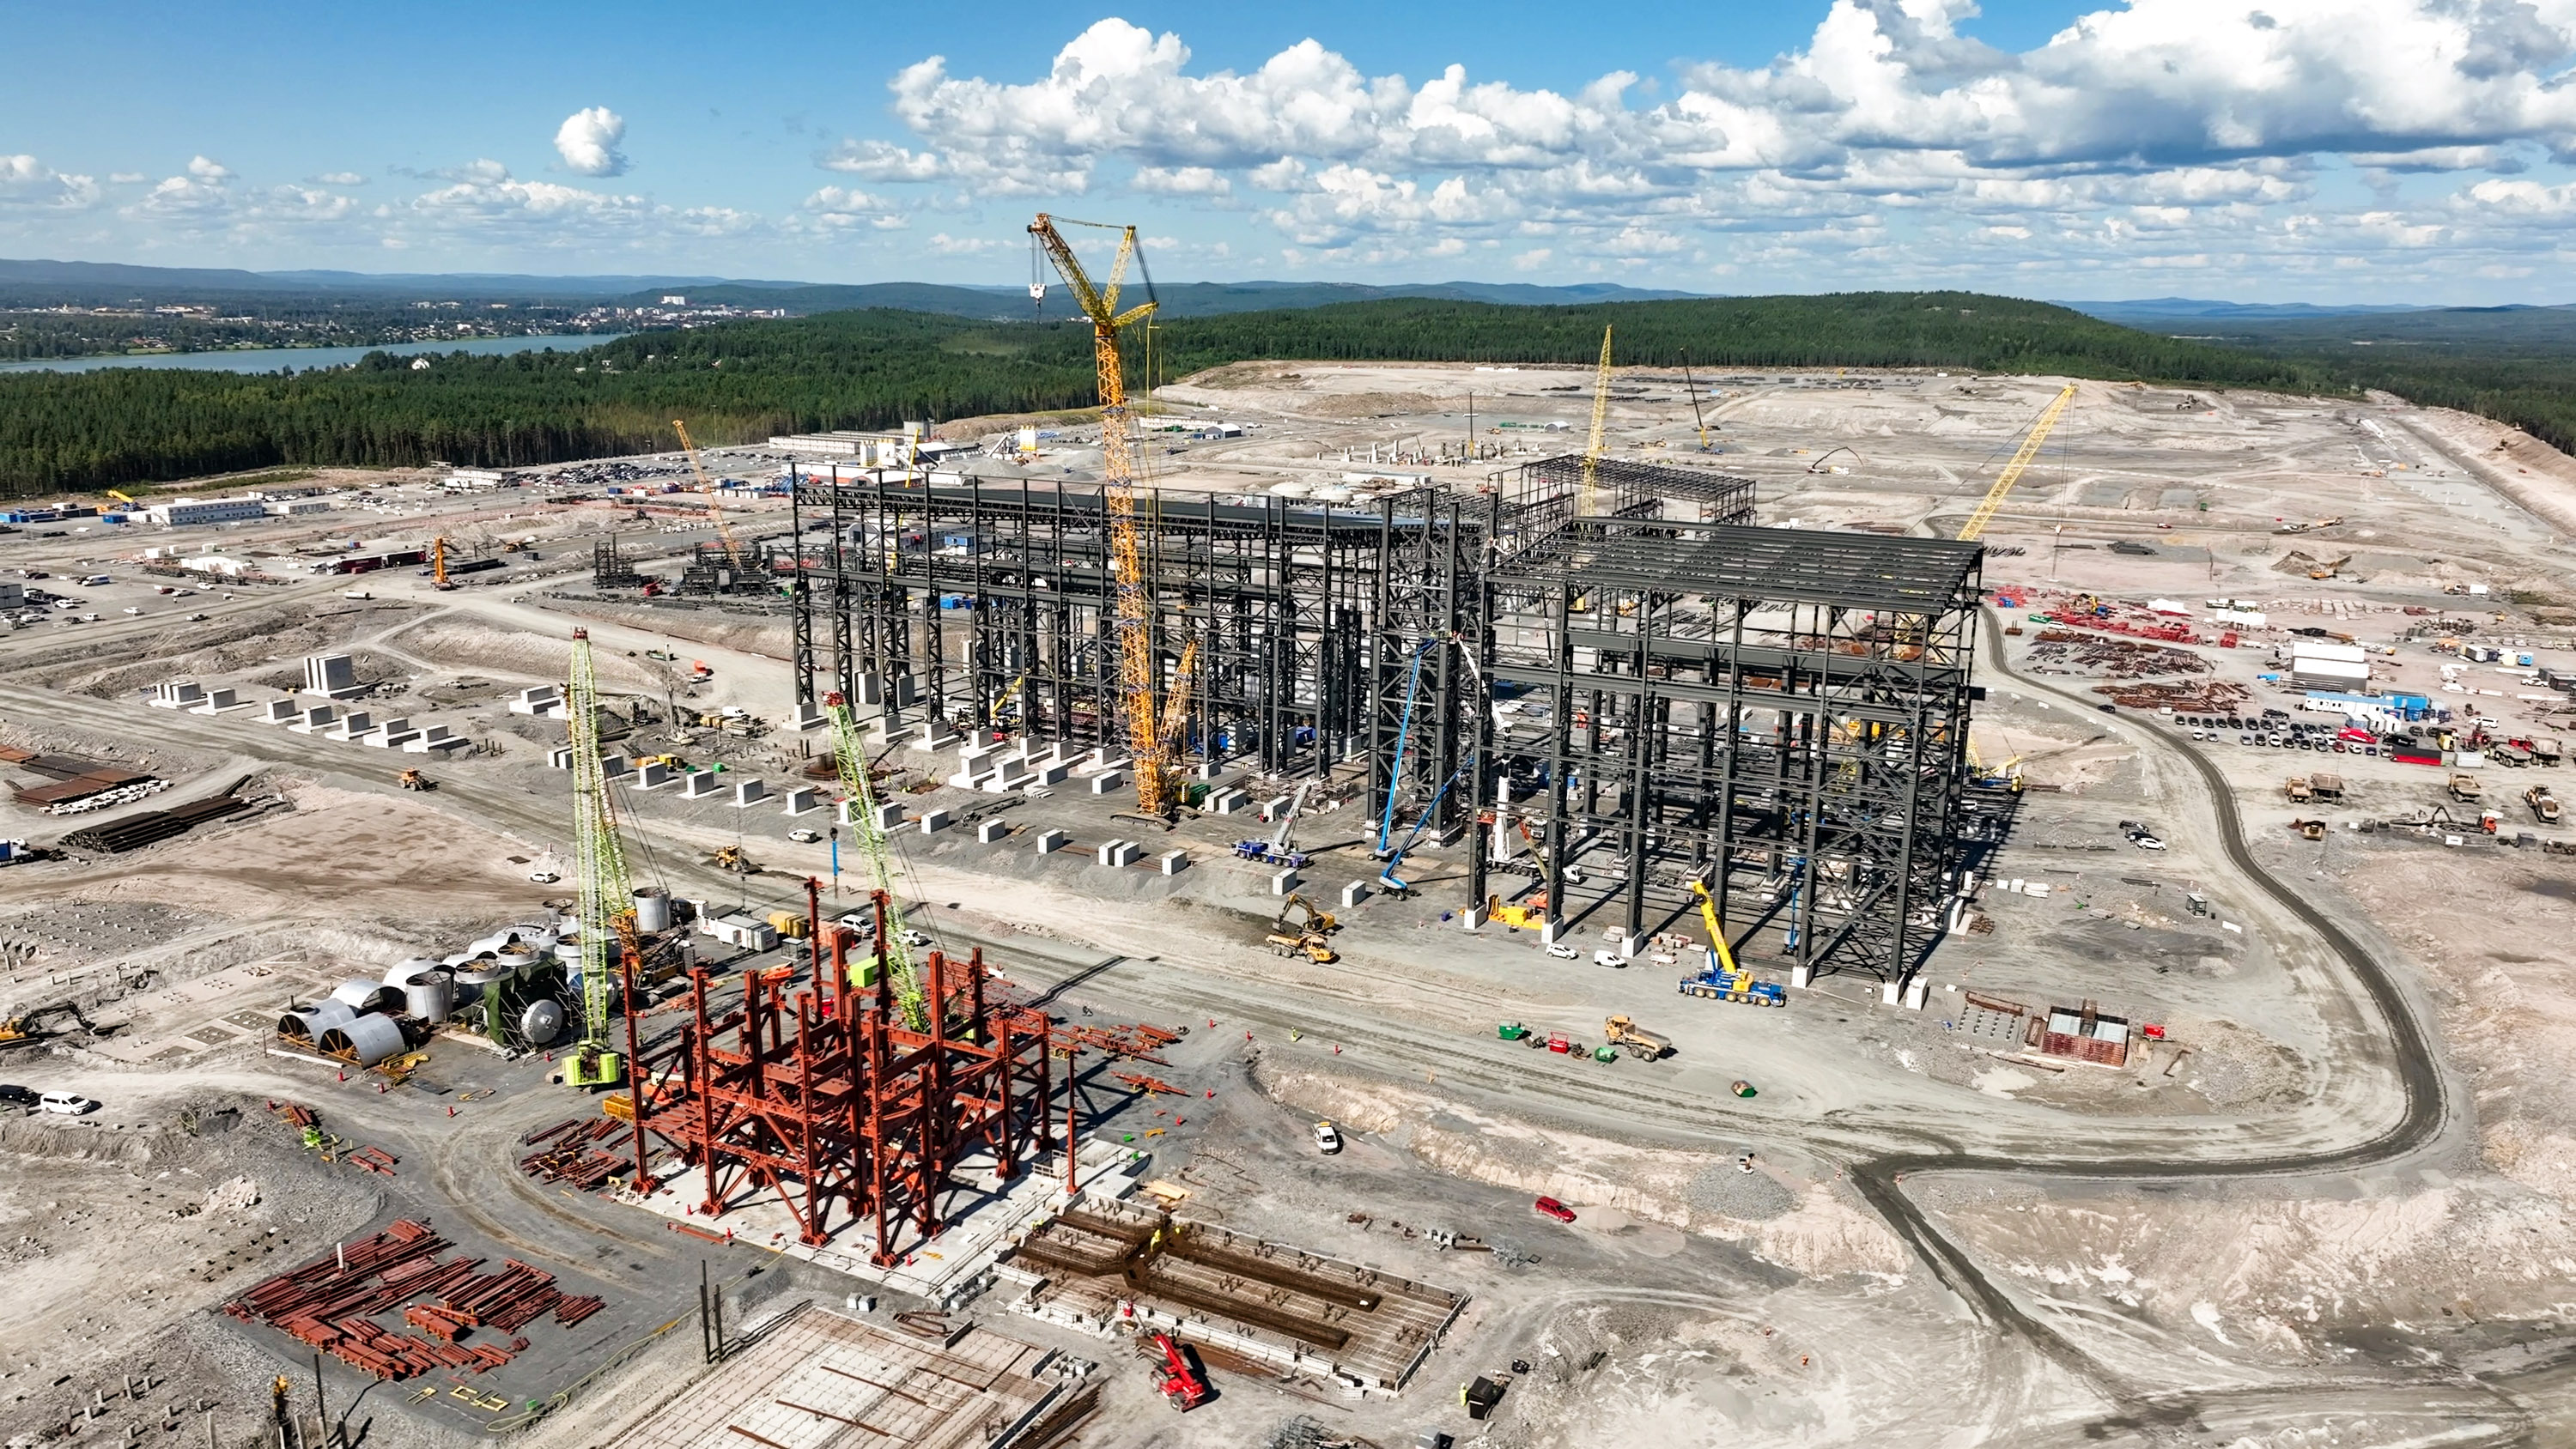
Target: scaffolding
[[1782, 714], [823, 1101]]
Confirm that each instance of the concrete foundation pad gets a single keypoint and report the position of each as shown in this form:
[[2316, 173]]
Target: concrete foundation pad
[[1049, 841], [989, 831]]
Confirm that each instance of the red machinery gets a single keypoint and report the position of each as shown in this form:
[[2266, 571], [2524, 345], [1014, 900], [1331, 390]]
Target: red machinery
[[1178, 1378]]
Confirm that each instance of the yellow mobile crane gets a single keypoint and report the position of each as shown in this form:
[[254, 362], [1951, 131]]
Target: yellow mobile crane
[[1139, 665], [1994, 499], [715, 510], [1722, 979]]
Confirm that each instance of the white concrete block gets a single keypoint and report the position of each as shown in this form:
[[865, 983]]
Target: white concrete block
[[1354, 893], [800, 798], [933, 821], [1282, 882], [278, 711], [317, 718], [1631, 947], [175, 694], [653, 776], [1227, 802], [990, 831], [889, 814], [1106, 784], [699, 784], [1211, 770], [434, 740], [1272, 808], [810, 717], [1472, 917], [973, 757], [389, 734], [1917, 991], [354, 725], [1050, 841], [968, 780], [1050, 772], [1887, 993], [1007, 781], [747, 793], [1120, 853], [871, 690], [610, 765], [1173, 862]]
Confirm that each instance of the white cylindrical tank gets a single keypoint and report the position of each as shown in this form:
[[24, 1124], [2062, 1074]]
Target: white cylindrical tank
[[430, 998], [370, 1038], [473, 981], [309, 1022], [1291, 489], [652, 909], [541, 1022], [404, 973], [516, 961]]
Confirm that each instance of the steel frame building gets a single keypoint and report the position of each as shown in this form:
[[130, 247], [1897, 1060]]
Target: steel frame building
[[1784, 711], [1781, 714], [824, 1100]]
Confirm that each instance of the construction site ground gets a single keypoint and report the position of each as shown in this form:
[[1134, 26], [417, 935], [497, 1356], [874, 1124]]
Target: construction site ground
[[1943, 1238]]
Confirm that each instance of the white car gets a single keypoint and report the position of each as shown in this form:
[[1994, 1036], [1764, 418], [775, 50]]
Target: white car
[[803, 836], [1328, 1138], [69, 1104], [914, 938], [1608, 958], [544, 877], [1563, 953], [2146, 842]]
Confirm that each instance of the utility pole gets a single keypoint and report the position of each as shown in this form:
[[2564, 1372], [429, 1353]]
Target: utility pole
[[2058, 546]]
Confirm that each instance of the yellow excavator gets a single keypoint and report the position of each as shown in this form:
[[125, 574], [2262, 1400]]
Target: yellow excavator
[[1291, 937]]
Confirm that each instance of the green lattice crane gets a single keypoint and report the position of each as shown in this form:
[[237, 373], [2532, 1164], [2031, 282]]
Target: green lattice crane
[[608, 939], [903, 977]]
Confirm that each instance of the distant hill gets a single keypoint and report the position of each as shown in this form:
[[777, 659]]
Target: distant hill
[[2152, 311], [41, 282]]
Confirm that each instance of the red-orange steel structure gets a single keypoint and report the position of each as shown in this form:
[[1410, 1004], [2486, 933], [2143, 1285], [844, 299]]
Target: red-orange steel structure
[[824, 1099]]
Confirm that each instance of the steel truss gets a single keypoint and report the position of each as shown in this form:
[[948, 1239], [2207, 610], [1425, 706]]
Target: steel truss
[[1781, 713], [822, 1099]]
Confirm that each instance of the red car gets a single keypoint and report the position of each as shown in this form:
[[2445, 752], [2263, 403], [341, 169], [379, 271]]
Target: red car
[[1554, 1209]]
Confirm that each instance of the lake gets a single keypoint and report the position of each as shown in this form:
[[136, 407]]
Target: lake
[[303, 359]]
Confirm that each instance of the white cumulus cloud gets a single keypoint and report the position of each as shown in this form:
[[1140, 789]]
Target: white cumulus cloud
[[588, 141], [26, 182]]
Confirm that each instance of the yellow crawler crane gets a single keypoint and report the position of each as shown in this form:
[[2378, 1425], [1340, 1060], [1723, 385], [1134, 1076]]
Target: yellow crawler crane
[[1994, 499]]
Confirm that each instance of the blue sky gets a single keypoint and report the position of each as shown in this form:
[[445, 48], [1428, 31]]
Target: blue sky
[[2324, 150]]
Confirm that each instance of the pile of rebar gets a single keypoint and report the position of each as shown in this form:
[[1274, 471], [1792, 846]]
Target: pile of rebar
[[2113, 656], [2207, 696]]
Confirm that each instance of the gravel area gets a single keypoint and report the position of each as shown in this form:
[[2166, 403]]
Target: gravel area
[[1746, 1196]]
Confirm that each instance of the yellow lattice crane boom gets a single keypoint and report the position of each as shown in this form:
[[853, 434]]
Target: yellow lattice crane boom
[[707, 485], [1994, 499], [1600, 424], [1138, 665]]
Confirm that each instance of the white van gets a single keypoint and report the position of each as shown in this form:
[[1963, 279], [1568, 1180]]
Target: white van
[[70, 1104]]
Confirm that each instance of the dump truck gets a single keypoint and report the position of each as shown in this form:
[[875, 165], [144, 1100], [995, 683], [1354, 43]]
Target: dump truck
[[2544, 806], [2296, 787], [414, 780], [2547, 751], [2325, 785], [1314, 947], [1635, 1040], [2466, 787]]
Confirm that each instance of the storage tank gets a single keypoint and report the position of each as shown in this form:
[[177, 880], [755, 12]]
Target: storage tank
[[361, 993], [307, 1023], [472, 982], [1331, 493], [370, 1038], [515, 961], [430, 998], [652, 909], [541, 1022], [1291, 490], [404, 973]]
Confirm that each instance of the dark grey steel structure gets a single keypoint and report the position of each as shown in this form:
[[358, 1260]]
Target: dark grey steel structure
[[1661, 696], [1779, 713]]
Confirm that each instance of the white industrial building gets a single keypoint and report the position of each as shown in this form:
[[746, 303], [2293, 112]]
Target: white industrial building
[[2316, 664], [192, 512]]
